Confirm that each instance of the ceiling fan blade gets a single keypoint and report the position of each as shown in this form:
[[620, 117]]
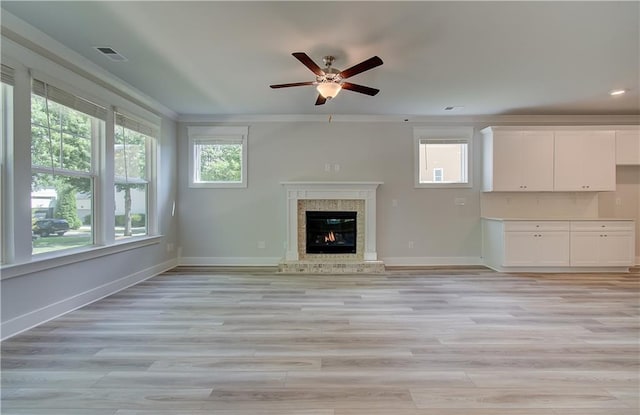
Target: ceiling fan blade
[[361, 67], [321, 100], [360, 88], [292, 84], [306, 61]]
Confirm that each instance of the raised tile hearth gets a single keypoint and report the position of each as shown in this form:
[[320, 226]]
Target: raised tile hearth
[[358, 197]]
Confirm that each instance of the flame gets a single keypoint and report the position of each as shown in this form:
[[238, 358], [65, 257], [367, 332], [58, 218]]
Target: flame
[[331, 237]]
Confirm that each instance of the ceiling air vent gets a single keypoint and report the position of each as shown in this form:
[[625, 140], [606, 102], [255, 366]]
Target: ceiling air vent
[[111, 53]]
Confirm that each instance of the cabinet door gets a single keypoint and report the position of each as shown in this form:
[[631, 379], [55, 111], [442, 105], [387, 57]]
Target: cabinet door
[[628, 147], [585, 249], [584, 161], [553, 249], [616, 249], [520, 249], [507, 161], [522, 161], [536, 160]]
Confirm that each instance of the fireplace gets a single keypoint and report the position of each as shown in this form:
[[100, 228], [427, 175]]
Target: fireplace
[[331, 232], [341, 206]]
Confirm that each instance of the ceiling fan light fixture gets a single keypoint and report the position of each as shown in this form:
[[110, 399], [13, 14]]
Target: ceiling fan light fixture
[[329, 89]]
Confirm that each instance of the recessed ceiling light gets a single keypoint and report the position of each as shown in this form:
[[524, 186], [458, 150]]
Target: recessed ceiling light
[[617, 92]]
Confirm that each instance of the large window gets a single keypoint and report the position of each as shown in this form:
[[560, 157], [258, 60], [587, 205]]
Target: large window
[[65, 130], [218, 156], [442, 157], [133, 144], [84, 178]]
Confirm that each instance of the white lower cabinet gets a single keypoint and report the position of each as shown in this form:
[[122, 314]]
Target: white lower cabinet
[[606, 244], [559, 245], [543, 249]]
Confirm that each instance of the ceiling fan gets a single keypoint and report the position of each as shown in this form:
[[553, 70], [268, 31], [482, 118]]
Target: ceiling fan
[[329, 81]]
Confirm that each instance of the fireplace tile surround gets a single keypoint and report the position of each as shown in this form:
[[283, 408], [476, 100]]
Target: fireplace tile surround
[[331, 196]]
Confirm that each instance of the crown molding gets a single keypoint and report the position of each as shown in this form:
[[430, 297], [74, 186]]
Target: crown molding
[[474, 120]]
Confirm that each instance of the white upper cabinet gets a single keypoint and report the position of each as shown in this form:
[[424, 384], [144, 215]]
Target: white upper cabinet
[[559, 159], [628, 147], [584, 160], [517, 161]]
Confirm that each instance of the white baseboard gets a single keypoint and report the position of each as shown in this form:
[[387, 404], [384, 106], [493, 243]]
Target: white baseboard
[[431, 261], [274, 261], [34, 318], [231, 261]]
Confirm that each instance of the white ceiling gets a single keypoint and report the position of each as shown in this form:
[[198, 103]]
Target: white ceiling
[[492, 58]]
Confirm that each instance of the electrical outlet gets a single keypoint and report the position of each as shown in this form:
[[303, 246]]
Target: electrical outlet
[[170, 247], [460, 201], [327, 167], [410, 244], [336, 167], [618, 201], [262, 244]]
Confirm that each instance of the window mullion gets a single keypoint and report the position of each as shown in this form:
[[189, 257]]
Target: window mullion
[[105, 203], [18, 249]]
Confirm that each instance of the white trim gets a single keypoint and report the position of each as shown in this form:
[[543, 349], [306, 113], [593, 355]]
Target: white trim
[[230, 261], [432, 120], [41, 262], [555, 270], [34, 318], [217, 135], [331, 190], [432, 261], [456, 134]]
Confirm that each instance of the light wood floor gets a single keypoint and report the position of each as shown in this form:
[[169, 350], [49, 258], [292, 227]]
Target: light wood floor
[[466, 342]]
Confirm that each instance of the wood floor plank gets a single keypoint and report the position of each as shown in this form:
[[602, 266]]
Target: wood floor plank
[[408, 342]]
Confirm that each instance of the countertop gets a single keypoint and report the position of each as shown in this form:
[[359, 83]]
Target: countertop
[[557, 219]]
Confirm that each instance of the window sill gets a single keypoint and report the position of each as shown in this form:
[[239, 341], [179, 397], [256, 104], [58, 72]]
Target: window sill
[[443, 186], [218, 185], [47, 261]]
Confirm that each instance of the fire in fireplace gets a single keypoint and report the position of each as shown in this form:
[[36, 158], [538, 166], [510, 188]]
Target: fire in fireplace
[[331, 232]]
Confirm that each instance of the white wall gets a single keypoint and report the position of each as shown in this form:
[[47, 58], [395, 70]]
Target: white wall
[[224, 226]]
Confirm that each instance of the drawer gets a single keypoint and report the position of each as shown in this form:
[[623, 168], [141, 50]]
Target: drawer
[[530, 225], [596, 225]]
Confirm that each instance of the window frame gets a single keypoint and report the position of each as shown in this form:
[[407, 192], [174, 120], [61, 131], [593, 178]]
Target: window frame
[[17, 245], [217, 135], [98, 118], [443, 135], [123, 119]]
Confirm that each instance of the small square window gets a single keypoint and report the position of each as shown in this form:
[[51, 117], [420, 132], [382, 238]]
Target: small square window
[[438, 174], [218, 156], [442, 157]]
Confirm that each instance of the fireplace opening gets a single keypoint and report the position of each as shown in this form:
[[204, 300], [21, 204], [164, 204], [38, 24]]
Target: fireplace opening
[[331, 232]]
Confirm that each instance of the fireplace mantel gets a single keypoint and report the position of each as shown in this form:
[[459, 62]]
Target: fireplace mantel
[[365, 191]]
